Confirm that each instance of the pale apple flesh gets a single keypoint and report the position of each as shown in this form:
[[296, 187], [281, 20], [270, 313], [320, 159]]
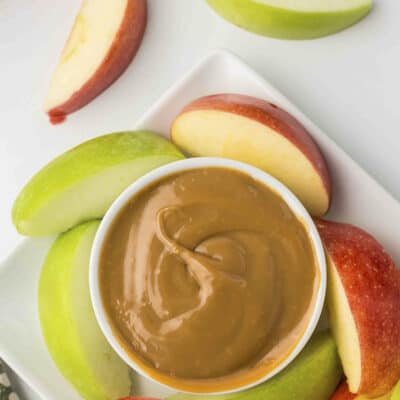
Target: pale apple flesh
[[258, 133], [313, 375], [364, 307], [346, 333], [292, 19], [396, 392], [103, 41], [73, 337], [82, 183]]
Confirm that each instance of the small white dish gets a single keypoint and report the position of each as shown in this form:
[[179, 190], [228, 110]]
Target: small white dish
[[186, 165], [355, 199]]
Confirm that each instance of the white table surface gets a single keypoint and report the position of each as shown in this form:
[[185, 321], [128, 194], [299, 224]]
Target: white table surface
[[348, 83]]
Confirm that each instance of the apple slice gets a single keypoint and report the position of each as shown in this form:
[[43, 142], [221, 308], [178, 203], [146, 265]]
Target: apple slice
[[74, 340], [82, 183], [102, 43], [396, 392], [343, 393], [364, 307], [259, 133], [292, 19], [313, 375]]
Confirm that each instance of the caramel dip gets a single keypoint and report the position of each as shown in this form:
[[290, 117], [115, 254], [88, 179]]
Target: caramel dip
[[208, 279]]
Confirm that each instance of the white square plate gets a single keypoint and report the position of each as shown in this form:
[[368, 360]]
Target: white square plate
[[357, 198]]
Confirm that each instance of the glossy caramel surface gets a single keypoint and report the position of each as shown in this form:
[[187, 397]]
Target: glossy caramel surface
[[206, 276]]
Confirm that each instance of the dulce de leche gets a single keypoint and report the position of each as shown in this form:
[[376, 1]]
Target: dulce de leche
[[208, 279]]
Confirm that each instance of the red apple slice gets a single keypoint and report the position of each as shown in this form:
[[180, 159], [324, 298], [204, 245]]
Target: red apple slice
[[102, 43], [364, 307], [343, 393], [259, 133]]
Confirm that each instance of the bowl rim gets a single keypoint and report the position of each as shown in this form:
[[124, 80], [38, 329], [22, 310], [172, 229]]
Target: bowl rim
[[185, 165]]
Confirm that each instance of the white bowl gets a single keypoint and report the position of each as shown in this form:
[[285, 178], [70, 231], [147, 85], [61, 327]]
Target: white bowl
[[188, 164]]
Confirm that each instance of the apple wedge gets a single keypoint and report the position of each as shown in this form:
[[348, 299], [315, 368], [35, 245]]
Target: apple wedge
[[364, 307], [69, 326], [343, 393], [104, 39], [313, 375], [292, 19], [259, 133], [396, 392], [82, 183]]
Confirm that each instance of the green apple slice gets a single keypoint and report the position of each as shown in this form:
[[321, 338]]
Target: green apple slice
[[292, 19], [313, 375], [69, 326], [81, 184]]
